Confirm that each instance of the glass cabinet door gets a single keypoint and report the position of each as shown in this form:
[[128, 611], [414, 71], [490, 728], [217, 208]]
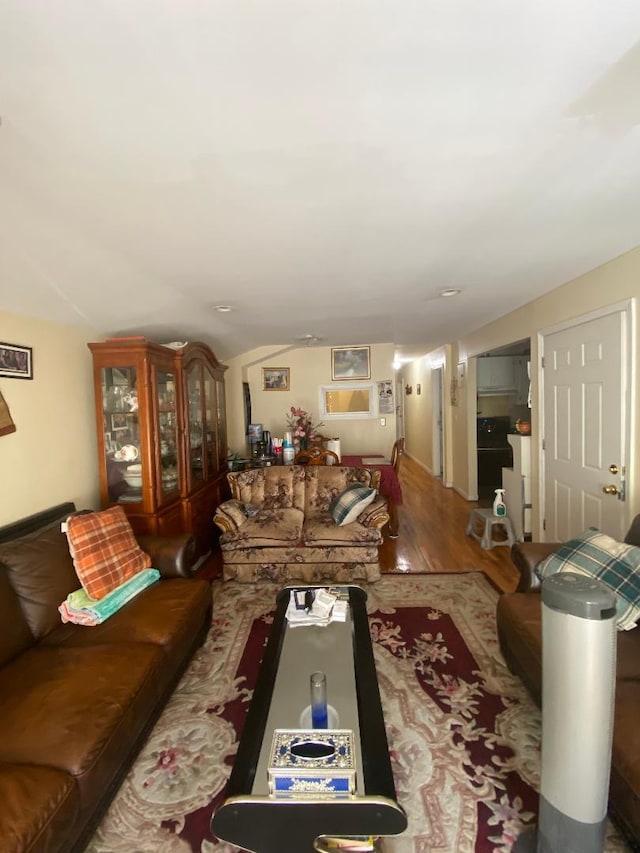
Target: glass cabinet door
[[121, 434], [165, 389], [195, 424], [210, 422], [222, 424]]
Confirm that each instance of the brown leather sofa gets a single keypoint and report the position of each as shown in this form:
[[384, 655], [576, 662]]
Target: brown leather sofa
[[520, 634], [76, 703]]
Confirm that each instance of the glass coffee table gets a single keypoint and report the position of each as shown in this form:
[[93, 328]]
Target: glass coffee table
[[253, 818]]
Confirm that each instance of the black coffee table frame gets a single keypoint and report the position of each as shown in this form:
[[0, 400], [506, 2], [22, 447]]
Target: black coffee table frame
[[288, 825]]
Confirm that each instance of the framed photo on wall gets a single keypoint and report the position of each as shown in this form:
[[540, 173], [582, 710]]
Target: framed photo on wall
[[16, 361], [350, 363], [276, 378]]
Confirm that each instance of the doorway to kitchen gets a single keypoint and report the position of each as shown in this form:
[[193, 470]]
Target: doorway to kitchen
[[503, 418]]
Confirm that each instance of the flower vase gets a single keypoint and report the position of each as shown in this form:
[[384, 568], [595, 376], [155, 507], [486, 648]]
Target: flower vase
[[304, 444]]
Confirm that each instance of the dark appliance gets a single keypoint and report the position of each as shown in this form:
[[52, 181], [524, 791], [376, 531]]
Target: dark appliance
[[494, 453]]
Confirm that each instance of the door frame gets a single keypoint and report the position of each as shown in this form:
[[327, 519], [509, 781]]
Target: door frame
[[437, 426], [627, 308]]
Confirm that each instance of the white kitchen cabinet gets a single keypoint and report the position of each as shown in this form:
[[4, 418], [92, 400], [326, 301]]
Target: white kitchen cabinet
[[496, 375]]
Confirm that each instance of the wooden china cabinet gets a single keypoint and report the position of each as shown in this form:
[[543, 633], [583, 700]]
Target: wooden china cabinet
[[162, 437]]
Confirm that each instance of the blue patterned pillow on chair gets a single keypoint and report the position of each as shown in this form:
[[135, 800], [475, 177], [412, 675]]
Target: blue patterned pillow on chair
[[613, 563]]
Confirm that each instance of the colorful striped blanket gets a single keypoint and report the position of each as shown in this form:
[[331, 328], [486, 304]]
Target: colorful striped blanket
[[82, 610]]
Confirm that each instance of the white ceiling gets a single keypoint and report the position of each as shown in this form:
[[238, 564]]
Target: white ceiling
[[325, 168]]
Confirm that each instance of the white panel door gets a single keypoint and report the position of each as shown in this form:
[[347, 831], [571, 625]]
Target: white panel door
[[584, 394]]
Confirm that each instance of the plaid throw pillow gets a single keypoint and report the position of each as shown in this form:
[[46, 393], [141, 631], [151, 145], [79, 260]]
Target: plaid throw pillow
[[348, 506], [613, 563], [104, 550]]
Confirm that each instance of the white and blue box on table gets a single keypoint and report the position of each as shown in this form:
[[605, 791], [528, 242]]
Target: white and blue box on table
[[312, 762]]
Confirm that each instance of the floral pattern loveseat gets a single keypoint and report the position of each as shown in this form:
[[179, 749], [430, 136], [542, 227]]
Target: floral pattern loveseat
[[277, 526]]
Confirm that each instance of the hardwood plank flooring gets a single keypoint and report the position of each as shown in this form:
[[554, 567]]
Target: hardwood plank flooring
[[433, 520]]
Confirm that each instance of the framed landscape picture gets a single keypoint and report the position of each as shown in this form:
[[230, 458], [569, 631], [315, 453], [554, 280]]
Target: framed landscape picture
[[275, 378], [350, 363]]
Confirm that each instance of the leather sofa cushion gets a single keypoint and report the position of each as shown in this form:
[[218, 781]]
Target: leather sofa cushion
[[625, 754], [519, 619], [26, 790], [77, 709], [163, 614], [15, 635], [41, 572]]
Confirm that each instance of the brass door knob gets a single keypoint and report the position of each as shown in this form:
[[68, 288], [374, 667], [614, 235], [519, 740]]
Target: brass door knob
[[610, 490]]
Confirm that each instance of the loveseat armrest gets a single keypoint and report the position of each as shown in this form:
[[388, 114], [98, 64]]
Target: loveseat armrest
[[375, 515], [526, 556], [230, 516], [173, 556]]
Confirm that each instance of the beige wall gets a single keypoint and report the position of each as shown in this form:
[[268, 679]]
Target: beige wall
[[310, 368], [52, 455], [615, 281]]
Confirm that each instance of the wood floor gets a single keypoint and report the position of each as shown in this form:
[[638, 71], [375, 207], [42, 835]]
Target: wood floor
[[433, 520]]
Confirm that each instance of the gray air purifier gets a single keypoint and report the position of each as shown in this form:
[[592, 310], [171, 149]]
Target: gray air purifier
[[578, 684]]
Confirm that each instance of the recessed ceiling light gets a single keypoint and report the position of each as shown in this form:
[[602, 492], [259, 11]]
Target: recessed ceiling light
[[223, 309], [451, 291]]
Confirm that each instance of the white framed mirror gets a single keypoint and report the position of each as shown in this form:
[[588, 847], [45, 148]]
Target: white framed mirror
[[348, 400]]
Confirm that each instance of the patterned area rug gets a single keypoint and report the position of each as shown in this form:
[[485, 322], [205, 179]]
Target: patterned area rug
[[463, 732]]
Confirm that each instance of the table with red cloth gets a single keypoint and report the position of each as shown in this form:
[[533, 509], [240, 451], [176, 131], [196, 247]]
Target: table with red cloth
[[389, 484]]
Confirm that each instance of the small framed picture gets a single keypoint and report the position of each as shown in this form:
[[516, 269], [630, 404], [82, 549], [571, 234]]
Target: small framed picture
[[16, 361], [118, 421], [255, 433], [350, 363], [276, 378]]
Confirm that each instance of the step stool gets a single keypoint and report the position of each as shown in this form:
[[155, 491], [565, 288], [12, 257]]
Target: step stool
[[488, 520]]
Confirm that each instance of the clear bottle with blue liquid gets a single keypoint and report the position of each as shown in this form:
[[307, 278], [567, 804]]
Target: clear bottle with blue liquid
[[319, 711]]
